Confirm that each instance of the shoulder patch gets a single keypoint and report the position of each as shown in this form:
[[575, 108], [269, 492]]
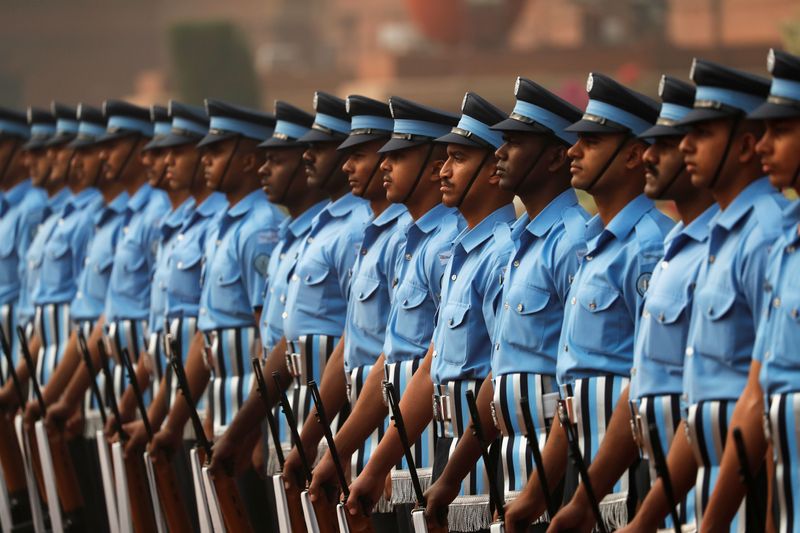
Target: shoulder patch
[[270, 236], [444, 257], [643, 282], [261, 264]]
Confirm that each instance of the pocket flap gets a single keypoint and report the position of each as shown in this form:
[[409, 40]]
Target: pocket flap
[[455, 314], [528, 300], [665, 310], [58, 248], [364, 288], [314, 273], [134, 264], [715, 304], [411, 297], [188, 260], [596, 299]]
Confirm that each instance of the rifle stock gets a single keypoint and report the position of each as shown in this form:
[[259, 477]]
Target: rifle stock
[[10, 453], [533, 442]]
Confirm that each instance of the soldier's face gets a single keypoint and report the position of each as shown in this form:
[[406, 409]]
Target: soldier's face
[[515, 160], [38, 165], [463, 162], [279, 179], [361, 167], [181, 164], [320, 160], [590, 155], [662, 161], [86, 165], [155, 165], [703, 148], [779, 150], [11, 159], [115, 155], [216, 160], [60, 163], [401, 169]]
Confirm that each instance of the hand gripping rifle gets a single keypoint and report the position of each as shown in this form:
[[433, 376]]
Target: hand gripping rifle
[[222, 488], [496, 501], [10, 453], [54, 457], [577, 460], [662, 471], [533, 442]]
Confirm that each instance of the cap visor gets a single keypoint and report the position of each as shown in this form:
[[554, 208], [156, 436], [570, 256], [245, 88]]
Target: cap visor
[[769, 111], [35, 144], [59, 139], [511, 124], [212, 138], [703, 115], [400, 144], [316, 136], [81, 142], [275, 142], [455, 138], [590, 126], [660, 130], [355, 140], [173, 139]]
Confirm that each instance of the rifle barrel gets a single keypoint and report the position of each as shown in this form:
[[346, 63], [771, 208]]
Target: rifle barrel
[[183, 385], [112, 398], [6, 347], [261, 385], [491, 473], [37, 391], [289, 414], [326, 427], [399, 424], [533, 442], [137, 392], [87, 360]]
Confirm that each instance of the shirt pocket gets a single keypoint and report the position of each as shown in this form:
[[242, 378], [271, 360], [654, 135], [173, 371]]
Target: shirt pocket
[[525, 328], [58, 265], [597, 326], [414, 315], [786, 341], [664, 329], [313, 276], [184, 274], [370, 304], [227, 294], [454, 318], [133, 278], [101, 270], [719, 334]]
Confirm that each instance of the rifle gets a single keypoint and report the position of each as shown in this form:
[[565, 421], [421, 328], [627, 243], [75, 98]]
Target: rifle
[[172, 516], [227, 510], [744, 472], [662, 471], [309, 514], [577, 460], [533, 442], [60, 478], [495, 493], [288, 518], [418, 513]]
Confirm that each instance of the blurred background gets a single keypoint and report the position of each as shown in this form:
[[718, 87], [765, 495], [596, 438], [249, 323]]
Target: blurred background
[[255, 51]]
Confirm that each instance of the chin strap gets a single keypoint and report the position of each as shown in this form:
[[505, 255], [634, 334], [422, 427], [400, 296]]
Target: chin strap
[[472, 180], [531, 167], [734, 126], [372, 176], [610, 160], [128, 157], [230, 160], [285, 192], [796, 175], [672, 180], [422, 168], [332, 171]]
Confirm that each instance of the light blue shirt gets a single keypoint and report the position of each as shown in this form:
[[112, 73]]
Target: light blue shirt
[[237, 256], [537, 280], [664, 324], [778, 336], [65, 250], [292, 235], [185, 256], [170, 231], [107, 225], [128, 295], [473, 279], [18, 224], [31, 267], [371, 288], [605, 301], [728, 302], [412, 316], [316, 302]]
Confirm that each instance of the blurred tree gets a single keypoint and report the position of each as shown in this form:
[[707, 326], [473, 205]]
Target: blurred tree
[[791, 35], [212, 59]]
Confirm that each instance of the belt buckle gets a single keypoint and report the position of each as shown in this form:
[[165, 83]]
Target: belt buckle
[[570, 410], [767, 430], [385, 392], [293, 363], [493, 409], [437, 409]]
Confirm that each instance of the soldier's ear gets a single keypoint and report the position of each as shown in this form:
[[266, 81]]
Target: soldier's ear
[[250, 162], [436, 167], [635, 154], [558, 157]]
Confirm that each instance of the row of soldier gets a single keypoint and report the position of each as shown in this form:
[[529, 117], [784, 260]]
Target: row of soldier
[[554, 371]]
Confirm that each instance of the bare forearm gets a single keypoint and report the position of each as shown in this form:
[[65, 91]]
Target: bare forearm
[[367, 414], [64, 372]]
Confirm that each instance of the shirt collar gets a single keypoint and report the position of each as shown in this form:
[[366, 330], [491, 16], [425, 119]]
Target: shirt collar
[[472, 238], [698, 228], [430, 220], [519, 226], [83, 198], [177, 216], [791, 219], [344, 205], [622, 224], [14, 195], [552, 213], [57, 201], [246, 204], [302, 223], [389, 215], [117, 205], [140, 197], [212, 205], [739, 207]]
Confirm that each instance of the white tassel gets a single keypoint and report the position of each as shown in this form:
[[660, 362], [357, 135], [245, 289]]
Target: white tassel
[[273, 465], [544, 519], [469, 513], [614, 510], [403, 489]]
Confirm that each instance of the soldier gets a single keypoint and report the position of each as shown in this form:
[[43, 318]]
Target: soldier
[[411, 176], [624, 242], [237, 252], [656, 379], [720, 153], [458, 358], [549, 236], [773, 370]]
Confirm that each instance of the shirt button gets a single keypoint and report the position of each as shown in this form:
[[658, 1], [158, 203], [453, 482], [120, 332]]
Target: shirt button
[[453, 277], [664, 265], [180, 236], [219, 242], [589, 257], [125, 230], [661, 317], [566, 348], [363, 251], [790, 249], [86, 261], [281, 256], [592, 306], [633, 371], [60, 221], [203, 310], [519, 308], [516, 263], [408, 257], [711, 258], [180, 264], [766, 355], [505, 305], [776, 302], [450, 322], [284, 315], [794, 313], [79, 294], [497, 347], [282, 299], [405, 302], [574, 300], [310, 240], [360, 294], [295, 277], [435, 353], [689, 351], [645, 314]]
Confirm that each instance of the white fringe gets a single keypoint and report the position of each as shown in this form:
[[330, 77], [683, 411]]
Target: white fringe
[[614, 510], [273, 466], [403, 489], [91, 423], [384, 505], [544, 519], [469, 513]]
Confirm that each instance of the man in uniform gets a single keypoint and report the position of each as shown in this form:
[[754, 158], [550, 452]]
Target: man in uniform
[[624, 242], [720, 153], [656, 379]]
